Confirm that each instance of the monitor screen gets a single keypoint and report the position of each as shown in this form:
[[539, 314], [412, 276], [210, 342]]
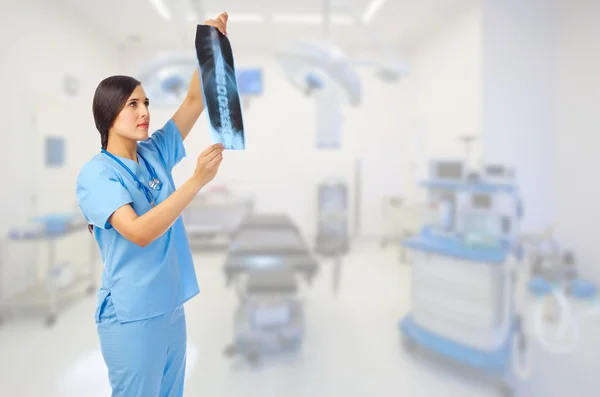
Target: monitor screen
[[249, 81], [506, 225], [54, 151], [450, 170], [495, 170], [481, 201]]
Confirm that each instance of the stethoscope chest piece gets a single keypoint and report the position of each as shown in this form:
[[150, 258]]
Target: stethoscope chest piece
[[155, 184]]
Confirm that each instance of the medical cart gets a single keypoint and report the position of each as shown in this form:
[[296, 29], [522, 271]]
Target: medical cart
[[461, 286], [58, 280]]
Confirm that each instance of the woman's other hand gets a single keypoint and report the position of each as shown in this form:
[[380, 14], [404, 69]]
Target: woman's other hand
[[208, 163]]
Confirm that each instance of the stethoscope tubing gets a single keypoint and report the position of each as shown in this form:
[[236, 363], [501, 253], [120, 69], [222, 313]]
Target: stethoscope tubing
[[154, 182]]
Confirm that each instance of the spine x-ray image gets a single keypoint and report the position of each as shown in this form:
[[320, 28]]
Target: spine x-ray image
[[219, 86]]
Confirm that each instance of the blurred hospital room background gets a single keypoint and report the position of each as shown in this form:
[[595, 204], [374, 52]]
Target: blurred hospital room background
[[412, 215]]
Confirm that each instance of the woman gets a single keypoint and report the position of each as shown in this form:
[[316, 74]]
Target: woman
[[128, 197]]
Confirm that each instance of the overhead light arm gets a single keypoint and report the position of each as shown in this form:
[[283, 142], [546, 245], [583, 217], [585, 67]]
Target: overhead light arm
[[372, 9], [161, 8], [327, 19]]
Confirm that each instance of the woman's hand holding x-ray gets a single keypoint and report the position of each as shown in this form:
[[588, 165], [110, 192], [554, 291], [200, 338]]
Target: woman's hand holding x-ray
[[220, 22], [143, 230], [208, 163]]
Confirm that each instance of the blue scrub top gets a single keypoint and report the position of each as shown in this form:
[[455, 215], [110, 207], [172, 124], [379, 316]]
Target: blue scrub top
[[143, 282]]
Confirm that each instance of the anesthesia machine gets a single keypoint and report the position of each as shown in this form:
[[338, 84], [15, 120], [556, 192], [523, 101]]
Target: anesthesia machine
[[474, 272]]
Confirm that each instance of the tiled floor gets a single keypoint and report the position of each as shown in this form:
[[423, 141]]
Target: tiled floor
[[351, 347]]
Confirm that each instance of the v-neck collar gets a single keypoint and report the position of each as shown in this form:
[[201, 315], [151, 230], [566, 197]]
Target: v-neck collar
[[137, 168], [130, 163]]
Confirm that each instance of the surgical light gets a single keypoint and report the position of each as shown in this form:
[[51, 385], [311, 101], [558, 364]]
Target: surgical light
[[166, 78], [309, 65], [302, 60]]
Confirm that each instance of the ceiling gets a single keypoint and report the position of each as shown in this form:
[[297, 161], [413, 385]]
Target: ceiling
[[257, 26]]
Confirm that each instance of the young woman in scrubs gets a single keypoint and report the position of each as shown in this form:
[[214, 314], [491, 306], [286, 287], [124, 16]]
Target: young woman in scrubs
[[126, 193]]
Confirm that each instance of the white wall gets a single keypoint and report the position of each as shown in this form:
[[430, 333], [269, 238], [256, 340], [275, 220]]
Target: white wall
[[46, 42], [279, 166], [541, 91], [446, 96], [577, 135], [439, 99], [577, 193], [518, 58], [42, 43]]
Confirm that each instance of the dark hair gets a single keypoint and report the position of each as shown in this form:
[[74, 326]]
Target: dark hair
[[109, 99]]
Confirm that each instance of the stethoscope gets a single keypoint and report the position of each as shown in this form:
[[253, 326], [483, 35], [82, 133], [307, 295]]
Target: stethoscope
[[154, 183]]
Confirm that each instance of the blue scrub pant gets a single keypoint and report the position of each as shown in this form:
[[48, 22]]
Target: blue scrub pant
[[144, 358]]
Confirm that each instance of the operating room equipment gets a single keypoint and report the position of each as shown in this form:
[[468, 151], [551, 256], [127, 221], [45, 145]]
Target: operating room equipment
[[333, 237], [213, 217], [482, 290], [321, 69], [264, 257], [268, 245], [462, 284], [59, 278], [269, 221], [560, 299], [167, 76], [447, 169], [332, 219], [499, 174], [300, 59]]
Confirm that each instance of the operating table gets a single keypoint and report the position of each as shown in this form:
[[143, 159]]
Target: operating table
[[269, 251], [268, 221], [258, 250]]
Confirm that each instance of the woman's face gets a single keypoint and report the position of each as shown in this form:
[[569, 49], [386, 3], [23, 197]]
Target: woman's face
[[134, 120]]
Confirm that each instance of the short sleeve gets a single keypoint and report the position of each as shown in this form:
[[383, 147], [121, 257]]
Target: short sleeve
[[169, 143], [100, 193]]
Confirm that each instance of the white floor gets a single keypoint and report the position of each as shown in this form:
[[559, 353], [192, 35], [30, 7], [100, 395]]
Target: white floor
[[351, 347]]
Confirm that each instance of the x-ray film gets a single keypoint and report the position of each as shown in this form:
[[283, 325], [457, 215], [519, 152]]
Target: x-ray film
[[219, 87]]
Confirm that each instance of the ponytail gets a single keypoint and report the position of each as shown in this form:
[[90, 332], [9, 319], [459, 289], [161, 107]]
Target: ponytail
[[109, 99], [104, 139]]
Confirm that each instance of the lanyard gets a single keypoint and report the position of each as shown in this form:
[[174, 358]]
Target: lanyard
[[154, 182]]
